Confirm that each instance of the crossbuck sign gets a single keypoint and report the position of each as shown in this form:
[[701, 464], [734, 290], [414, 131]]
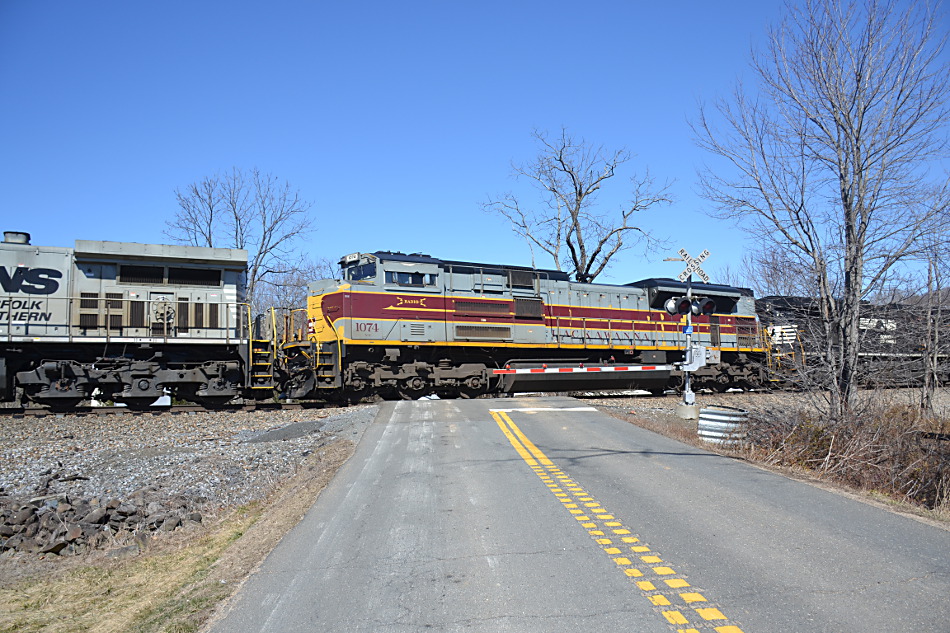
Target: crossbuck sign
[[692, 265]]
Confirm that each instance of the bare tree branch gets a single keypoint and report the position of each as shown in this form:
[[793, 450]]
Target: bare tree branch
[[569, 174], [248, 210]]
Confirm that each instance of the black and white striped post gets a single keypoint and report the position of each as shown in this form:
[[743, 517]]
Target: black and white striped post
[[688, 408]]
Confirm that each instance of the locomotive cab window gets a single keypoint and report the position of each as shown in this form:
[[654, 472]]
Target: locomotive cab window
[[410, 279], [362, 272]]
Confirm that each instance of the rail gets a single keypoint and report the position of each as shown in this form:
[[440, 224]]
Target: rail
[[32, 412]]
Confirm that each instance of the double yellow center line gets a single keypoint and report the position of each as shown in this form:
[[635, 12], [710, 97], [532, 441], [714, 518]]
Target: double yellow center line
[[684, 607]]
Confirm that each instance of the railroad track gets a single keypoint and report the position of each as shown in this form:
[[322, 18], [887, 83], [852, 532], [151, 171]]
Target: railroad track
[[21, 412]]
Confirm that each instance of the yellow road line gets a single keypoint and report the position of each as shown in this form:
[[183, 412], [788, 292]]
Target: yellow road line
[[686, 611], [525, 455], [538, 455]]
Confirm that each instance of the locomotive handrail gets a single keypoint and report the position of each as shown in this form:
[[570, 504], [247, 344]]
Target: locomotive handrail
[[297, 333], [111, 318]]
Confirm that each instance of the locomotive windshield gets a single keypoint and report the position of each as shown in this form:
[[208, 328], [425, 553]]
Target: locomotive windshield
[[361, 272]]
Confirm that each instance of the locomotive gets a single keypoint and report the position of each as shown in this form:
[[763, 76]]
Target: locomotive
[[893, 348], [403, 326], [126, 323]]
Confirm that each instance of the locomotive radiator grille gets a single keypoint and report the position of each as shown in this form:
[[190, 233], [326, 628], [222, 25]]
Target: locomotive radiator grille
[[137, 314], [529, 308], [482, 332], [469, 306], [183, 315]]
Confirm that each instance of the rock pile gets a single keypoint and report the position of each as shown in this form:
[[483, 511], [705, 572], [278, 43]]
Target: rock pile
[[71, 484], [58, 524]]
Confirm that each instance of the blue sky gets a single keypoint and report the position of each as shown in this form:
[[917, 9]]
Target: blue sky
[[397, 120]]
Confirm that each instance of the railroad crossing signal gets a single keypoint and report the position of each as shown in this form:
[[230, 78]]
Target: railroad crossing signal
[[685, 305], [692, 265]]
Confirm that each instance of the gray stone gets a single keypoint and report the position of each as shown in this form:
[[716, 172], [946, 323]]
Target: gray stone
[[54, 548], [170, 523], [25, 515], [125, 509], [97, 516]]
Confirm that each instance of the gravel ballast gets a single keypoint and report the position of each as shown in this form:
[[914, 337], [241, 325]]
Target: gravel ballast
[[73, 483]]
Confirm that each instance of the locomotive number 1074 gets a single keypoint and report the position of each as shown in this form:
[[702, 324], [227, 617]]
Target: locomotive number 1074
[[366, 327]]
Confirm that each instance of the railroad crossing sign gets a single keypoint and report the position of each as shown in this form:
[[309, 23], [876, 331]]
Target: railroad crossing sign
[[692, 265]]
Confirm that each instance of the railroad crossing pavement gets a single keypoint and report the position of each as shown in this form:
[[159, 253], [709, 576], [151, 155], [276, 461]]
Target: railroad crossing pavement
[[542, 514]]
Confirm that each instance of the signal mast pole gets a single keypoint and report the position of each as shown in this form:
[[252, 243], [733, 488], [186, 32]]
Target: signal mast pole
[[688, 408], [689, 398]]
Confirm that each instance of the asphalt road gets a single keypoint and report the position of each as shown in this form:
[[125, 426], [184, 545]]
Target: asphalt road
[[544, 515]]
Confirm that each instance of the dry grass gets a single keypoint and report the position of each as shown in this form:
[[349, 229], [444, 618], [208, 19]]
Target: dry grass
[[126, 595], [888, 449], [176, 586]]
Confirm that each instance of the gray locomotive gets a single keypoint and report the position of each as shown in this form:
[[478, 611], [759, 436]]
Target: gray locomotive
[[126, 322]]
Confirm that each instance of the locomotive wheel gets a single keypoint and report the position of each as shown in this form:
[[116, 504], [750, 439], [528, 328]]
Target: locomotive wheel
[[411, 394], [210, 402], [62, 404], [138, 404], [469, 392], [412, 388], [388, 393], [472, 387]]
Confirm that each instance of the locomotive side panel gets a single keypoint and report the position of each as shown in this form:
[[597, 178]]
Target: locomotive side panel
[[35, 283], [154, 292]]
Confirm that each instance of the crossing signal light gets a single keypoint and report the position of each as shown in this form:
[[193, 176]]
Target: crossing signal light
[[682, 305], [677, 305], [703, 306]]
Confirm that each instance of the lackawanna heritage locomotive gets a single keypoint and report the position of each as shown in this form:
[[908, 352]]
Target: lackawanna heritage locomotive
[[403, 326], [128, 323]]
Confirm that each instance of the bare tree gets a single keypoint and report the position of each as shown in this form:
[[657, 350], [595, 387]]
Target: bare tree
[[286, 293], [770, 272], [288, 289], [197, 220], [566, 224], [829, 160], [934, 348], [249, 210]]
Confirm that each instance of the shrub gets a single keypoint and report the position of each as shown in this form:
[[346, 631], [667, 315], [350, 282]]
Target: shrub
[[890, 449]]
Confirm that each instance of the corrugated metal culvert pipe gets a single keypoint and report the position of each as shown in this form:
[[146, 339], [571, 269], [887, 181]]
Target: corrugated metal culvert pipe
[[721, 425]]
